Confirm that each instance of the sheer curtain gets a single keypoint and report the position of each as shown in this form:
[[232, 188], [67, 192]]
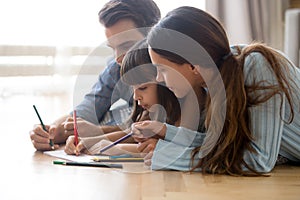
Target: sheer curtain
[[251, 20], [292, 35]]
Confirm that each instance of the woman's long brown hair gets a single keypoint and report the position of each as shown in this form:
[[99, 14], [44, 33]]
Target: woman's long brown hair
[[226, 157]]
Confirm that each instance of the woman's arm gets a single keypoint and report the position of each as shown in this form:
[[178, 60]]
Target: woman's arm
[[173, 151], [168, 155], [266, 124], [183, 136]]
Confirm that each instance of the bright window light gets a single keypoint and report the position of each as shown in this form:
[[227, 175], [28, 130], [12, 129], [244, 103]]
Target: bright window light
[[61, 22]]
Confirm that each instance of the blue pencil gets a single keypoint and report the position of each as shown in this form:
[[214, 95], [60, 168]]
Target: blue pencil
[[115, 142]]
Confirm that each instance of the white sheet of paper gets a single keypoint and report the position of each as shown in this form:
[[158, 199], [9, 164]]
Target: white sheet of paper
[[128, 167], [62, 155]]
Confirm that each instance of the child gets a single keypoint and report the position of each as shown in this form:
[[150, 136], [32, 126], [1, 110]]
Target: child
[[152, 101]]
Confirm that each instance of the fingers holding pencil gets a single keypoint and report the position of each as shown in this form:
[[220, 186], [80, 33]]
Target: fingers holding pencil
[[45, 128], [41, 138], [71, 148]]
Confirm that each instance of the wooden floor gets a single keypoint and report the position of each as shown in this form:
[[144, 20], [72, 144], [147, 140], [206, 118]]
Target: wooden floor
[[27, 174]]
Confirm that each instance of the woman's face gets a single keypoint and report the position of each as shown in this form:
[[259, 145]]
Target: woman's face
[[145, 94], [179, 78]]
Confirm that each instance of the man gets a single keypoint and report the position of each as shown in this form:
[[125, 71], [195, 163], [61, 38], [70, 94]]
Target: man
[[125, 22]]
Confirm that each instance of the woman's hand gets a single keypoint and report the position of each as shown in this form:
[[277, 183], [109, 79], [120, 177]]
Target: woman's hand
[[148, 158], [147, 129], [147, 146]]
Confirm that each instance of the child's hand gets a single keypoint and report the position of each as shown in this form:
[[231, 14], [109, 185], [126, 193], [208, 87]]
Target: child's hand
[[71, 149]]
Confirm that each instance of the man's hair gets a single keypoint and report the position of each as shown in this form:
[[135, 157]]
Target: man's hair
[[144, 13]]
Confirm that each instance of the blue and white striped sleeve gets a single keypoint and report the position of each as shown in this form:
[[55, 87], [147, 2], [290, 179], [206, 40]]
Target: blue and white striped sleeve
[[266, 124], [175, 151], [183, 136], [168, 155]]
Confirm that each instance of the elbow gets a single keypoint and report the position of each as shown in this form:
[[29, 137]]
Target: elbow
[[264, 168], [261, 164]]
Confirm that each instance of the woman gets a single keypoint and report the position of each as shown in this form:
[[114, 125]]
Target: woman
[[252, 109], [152, 101]]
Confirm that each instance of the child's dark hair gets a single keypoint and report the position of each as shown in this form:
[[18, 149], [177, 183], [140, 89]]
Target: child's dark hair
[[138, 58]]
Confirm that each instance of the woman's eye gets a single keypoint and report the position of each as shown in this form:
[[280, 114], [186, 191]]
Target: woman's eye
[[143, 88]]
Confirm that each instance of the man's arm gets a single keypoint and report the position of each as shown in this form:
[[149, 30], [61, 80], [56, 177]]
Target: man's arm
[[99, 100], [64, 128], [60, 134]]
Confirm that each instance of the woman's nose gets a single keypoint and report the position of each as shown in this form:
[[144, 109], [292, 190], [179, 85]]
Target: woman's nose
[[159, 77]]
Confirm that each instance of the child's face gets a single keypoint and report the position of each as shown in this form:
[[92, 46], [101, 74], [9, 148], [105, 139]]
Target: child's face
[[145, 94]]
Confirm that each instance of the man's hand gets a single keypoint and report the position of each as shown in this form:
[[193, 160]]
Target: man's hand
[[41, 138]]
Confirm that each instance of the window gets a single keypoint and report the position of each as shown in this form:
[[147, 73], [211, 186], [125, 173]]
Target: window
[[61, 23], [53, 37]]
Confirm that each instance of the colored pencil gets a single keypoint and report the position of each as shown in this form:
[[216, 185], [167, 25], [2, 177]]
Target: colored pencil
[[75, 128], [116, 142], [43, 126], [86, 164]]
